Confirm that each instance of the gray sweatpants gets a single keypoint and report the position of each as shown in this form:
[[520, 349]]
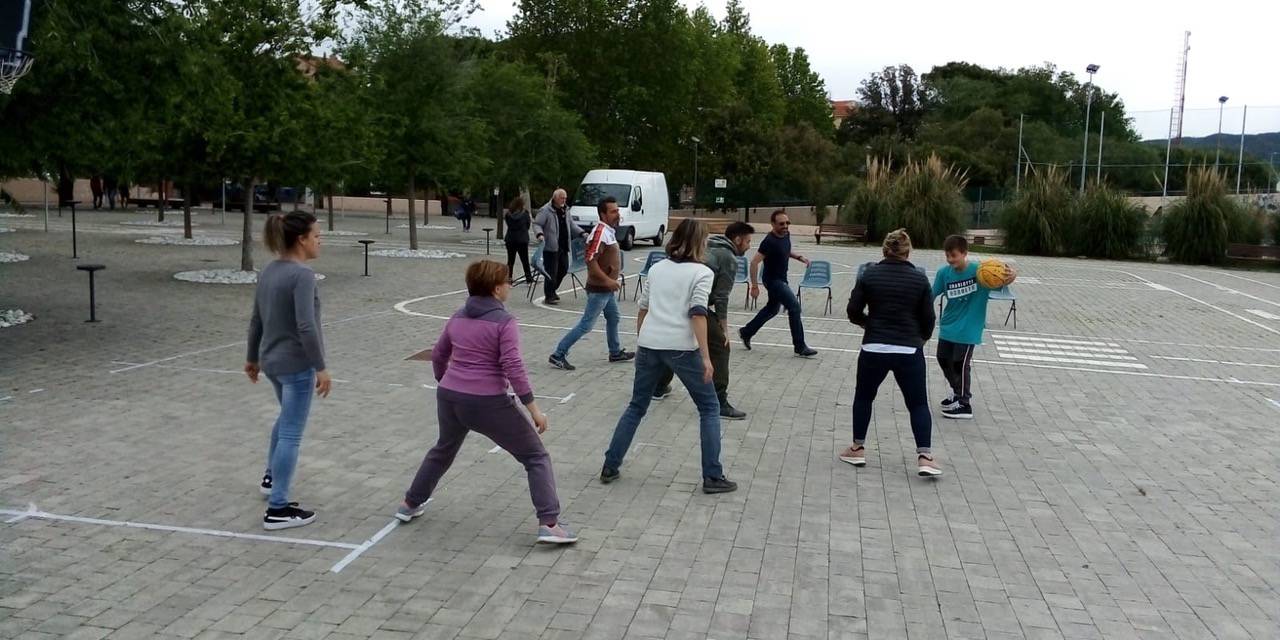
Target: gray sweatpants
[[498, 418]]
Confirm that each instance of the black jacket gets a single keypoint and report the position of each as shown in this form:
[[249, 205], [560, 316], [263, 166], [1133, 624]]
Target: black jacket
[[893, 302]]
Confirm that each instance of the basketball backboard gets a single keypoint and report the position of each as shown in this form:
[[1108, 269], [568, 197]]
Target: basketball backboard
[[15, 35]]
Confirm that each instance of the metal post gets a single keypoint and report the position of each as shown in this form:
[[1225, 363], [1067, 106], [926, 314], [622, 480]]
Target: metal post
[[74, 252], [695, 178], [45, 182], [366, 244], [93, 301], [1240, 163], [1018, 166], [1168, 150], [1101, 129], [224, 201], [1218, 154], [1084, 155]]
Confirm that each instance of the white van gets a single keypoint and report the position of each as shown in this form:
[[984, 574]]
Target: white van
[[642, 196]]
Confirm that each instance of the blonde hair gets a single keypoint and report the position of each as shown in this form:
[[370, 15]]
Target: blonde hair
[[897, 244], [689, 241]]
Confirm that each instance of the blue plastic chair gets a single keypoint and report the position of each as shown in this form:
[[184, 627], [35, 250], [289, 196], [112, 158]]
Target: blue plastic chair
[[539, 272], [1005, 293], [816, 276], [653, 258], [743, 277], [577, 263]]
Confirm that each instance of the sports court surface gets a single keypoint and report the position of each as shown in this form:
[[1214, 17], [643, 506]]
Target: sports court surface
[[1118, 480]]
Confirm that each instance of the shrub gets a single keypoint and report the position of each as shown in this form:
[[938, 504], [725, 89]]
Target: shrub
[[1246, 224], [870, 202], [1106, 224], [1037, 220], [927, 202], [1196, 229]]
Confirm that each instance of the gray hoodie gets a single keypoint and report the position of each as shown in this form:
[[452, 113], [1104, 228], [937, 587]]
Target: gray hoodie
[[722, 257]]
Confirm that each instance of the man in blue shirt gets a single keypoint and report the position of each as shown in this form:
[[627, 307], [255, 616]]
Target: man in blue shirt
[[775, 252], [963, 320]]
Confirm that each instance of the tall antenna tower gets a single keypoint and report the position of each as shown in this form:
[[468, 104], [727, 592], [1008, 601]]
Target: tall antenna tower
[[1180, 93]]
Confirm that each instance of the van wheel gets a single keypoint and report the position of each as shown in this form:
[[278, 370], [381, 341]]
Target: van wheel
[[662, 233], [628, 240]]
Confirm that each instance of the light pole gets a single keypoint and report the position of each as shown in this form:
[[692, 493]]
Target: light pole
[[1088, 102], [696, 141], [1222, 101]]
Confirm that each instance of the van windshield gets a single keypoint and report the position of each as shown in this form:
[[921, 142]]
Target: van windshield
[[590, 195]]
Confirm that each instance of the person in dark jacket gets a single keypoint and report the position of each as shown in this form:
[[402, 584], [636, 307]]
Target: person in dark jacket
[[893, 303], [516, 237]]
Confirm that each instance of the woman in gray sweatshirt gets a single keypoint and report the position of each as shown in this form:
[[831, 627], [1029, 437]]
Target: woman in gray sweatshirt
[[286, 345]]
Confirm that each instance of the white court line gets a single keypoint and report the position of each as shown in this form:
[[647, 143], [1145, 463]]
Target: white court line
[[1232, 275], [36, 391], [1004, 336], [1263, 314], [1073, 354], [1191, 298], [1234, 364], [558, 399], [6, 398], [1008, 333], [1227, 289], [366, 545], [401, 306], [1096, 363], [32, 512], [1143, 374], [1005, 344], [1274, 402]]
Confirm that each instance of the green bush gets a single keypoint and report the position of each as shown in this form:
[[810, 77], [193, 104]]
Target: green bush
[[870, 202], [1106, 224], [927, 202], [1196, 230], [1275, 229], [1246, 224], [1037, 220]]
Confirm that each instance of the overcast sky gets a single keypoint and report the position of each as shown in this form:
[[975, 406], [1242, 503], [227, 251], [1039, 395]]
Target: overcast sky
[[1235, 46]]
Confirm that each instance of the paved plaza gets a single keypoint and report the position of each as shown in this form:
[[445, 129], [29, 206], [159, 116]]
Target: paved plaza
[[1118, 480]]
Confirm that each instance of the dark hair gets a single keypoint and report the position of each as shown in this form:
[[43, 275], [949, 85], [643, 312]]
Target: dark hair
[[773, 217], [516, 205], [484, 276], [956, 243], [604, 204], [689, 241], [282, 230], [736, 230]]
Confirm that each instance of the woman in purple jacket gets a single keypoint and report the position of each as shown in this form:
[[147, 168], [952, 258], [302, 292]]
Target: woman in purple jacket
[[477, 355]]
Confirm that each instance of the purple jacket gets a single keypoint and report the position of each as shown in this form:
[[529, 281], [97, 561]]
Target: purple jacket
[[479, 351]]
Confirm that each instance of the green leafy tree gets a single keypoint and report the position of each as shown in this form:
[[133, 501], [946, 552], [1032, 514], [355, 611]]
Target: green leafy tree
[[807, 101], [342, 136]]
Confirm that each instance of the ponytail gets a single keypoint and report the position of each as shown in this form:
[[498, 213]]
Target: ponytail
[[282, 230]]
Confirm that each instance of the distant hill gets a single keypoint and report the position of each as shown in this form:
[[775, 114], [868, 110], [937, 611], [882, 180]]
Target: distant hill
[[1258, 145]]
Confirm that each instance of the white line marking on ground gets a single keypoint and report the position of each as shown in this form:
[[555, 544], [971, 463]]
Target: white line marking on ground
[[1008, 332], [1096, 363], [401, 306], [1232, 275], [1144, 374], [6, 398], [180, 355], [1234, 364], [31, 509], [1057, 352], [1199, 301], [1006, 344], [1263, 314], [1274, 402], [569, 397], [1227, 289], [368, 544], [36, 391], [32, 512], [1003, 336]]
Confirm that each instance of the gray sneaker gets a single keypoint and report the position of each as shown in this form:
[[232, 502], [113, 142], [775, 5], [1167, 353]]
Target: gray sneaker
[[559, 534], [406, 513]]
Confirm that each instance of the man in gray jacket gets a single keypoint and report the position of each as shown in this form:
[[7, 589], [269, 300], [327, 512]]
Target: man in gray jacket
[[556, 231], [722, 257]]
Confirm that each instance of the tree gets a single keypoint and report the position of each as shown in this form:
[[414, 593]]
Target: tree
[[805, 92], [892, 101], [338, 102]]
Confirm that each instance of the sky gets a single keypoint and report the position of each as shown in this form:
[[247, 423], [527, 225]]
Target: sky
[[1234, 50]]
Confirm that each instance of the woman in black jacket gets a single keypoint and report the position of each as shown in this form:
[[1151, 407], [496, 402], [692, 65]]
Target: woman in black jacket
[[893, 303], [518, 220]]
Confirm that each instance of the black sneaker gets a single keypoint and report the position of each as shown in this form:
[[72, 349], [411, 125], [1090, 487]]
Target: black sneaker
[[807, 352], [746, 340], [661, 394], [552, 301], [287, 518], [729, 413], [958, 412], [265, 487], [622, 356], [560, 362], [608, 475], [718, 485], [949, 401]]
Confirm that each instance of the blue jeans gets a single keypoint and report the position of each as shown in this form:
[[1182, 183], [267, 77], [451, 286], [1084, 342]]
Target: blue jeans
[[687, 365], [294, 392], [780, 295], [910, 373], [597, 303]]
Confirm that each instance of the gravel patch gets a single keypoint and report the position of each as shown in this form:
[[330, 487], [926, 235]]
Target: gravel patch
[[223, 276], [16, 215], [9, 256], [343, 233], [437, 227], [14, 317], [155, 223], [197, 241], [423, 254]]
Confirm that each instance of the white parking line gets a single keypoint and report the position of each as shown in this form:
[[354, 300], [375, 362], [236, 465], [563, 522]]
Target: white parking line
[[1205, 360], [1059, 352], [1096, 363], [366, 545], [1005, 336], [1144, 374]]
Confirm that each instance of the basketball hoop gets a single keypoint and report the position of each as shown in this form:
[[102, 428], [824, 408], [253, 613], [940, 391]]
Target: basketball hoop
[[14, 63]]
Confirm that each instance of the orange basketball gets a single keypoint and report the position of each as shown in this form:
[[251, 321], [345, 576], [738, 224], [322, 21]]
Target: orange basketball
[[992, 273]]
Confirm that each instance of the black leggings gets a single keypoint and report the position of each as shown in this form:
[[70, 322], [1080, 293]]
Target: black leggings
[[521, 250], [909, 372]]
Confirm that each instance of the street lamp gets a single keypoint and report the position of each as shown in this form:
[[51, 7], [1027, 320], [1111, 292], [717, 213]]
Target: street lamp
[[1088, 103], [1222, 101], [696, 141]]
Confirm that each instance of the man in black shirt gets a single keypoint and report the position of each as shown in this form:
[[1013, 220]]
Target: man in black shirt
[[775, 252]]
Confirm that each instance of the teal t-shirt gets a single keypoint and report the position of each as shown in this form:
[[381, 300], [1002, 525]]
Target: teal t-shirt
[[964, 317]]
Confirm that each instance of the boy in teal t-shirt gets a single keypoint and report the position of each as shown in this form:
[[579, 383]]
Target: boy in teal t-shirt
[[964, 318]]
